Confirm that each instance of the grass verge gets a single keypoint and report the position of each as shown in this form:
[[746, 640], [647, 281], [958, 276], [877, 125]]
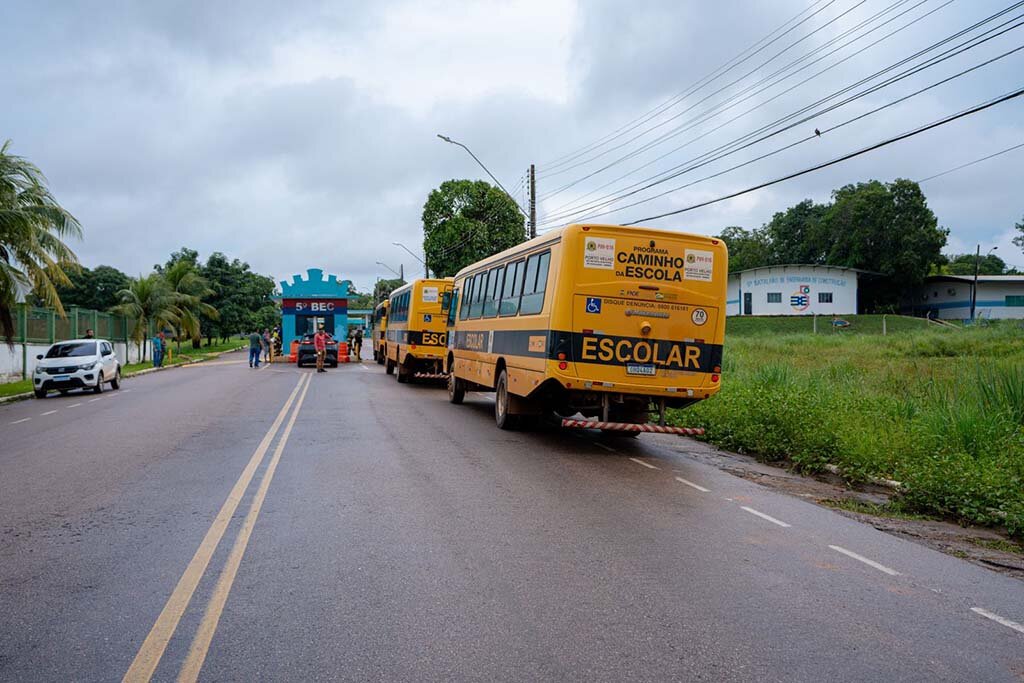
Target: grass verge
[[940, 411]]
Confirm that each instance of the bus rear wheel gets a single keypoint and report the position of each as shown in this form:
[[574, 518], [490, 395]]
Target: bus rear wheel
[[456, 389], [502, 417], [402, 373], [389, 366]]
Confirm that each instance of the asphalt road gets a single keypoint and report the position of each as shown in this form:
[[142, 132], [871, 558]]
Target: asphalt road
[[234, 524]]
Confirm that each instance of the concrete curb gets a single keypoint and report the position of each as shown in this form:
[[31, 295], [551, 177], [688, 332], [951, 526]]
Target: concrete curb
[[138, 373]]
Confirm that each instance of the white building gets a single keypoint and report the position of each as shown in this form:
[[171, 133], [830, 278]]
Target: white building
[[949, 297], [793, 290]]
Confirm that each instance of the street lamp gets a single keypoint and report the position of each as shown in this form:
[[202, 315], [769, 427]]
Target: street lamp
[[974, 288], [426, 271], [400, 276], [455, 142]]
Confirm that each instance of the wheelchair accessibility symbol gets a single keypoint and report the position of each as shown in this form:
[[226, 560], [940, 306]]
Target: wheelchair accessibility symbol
[[593, 304]]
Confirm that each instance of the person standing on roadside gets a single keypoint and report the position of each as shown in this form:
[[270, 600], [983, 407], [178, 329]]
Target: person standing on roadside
[[158, 351], [163, 346], [267, 345], [320, 346], [89, 334], [255, 347], [357, 344]]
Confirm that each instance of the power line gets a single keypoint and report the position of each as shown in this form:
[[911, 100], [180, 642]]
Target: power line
[[696, 85], [743, 143], [733, 100], [808, 138], [917, 131], [970, 163], [724, 87]]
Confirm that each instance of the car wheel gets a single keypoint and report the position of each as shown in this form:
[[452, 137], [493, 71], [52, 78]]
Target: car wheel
[[116, 382], [98, 389], [501, 404], [456, 389], [40, 393]]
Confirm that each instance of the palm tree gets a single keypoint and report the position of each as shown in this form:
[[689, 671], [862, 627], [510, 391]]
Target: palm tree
[[146, 300], [189, 288], [33, 227]]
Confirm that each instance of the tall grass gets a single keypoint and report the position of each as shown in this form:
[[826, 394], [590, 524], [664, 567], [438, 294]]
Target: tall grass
[[942, 412]]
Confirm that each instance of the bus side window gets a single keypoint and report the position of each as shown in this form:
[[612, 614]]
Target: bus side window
[[464, 313], [536, 281], [479, 294], [453, 303], [493, 292], [510, 292]]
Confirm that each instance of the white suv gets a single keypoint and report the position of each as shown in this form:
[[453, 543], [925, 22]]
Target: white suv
[[76, 364]]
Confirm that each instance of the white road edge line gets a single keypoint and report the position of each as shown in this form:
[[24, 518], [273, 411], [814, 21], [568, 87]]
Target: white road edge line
[[607, 448], [74, 405], [998, 619], [766, 517], [24, 419], [48, 412], [93, 400], [694, 486], [861, 558], [638, 461]]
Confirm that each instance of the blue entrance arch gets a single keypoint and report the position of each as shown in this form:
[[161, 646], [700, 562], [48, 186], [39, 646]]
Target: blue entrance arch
[[305, 302]]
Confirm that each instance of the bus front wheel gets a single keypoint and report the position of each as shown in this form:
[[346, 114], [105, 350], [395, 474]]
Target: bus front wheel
[[502, 417], [456, 389]]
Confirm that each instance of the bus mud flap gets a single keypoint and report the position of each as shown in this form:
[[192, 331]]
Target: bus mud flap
[[631, 427]]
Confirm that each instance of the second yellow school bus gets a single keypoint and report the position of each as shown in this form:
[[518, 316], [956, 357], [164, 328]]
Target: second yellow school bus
[[380, 328], [416, 336], [609, 321]]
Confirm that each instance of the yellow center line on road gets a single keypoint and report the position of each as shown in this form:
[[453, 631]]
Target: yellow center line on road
[[148, 656], [204, 635]]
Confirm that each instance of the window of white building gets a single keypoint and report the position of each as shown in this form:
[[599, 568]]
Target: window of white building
[[824, 297]]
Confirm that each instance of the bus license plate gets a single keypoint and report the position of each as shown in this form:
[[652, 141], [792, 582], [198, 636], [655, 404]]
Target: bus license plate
[[635, 369]]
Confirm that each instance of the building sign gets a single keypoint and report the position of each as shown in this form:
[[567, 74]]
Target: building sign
[[314, 307], [599, 252], [801, 298]]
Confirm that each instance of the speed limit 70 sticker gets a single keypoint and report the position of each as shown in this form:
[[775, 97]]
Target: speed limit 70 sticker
[[699, 316]]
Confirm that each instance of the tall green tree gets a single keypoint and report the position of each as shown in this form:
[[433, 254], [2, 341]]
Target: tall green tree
[[798, 234], [242, 297], [886, 228], [747, 248], [189, 291], [33, 230], [465, 221], [148, 300], [382, 290], [963, 264], [94, 288]]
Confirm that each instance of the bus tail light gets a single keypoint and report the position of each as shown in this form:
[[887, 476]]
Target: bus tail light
[[714, 378], [717, 368], [561, 356], [412, 346], [563, 365]]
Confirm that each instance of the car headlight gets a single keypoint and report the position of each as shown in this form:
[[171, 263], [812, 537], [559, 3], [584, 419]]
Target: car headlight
[[90, 365]]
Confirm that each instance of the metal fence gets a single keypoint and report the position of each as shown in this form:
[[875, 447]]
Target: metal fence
[[44, 326]]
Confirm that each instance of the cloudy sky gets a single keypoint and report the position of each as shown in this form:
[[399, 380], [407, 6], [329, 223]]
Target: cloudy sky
[[297, 134]]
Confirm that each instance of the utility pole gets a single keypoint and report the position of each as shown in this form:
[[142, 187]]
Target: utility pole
[[533, 201]]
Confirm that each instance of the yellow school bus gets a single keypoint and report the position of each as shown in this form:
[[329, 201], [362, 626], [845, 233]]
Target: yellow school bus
[[608, 321], [380, 328], [417, 328]]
